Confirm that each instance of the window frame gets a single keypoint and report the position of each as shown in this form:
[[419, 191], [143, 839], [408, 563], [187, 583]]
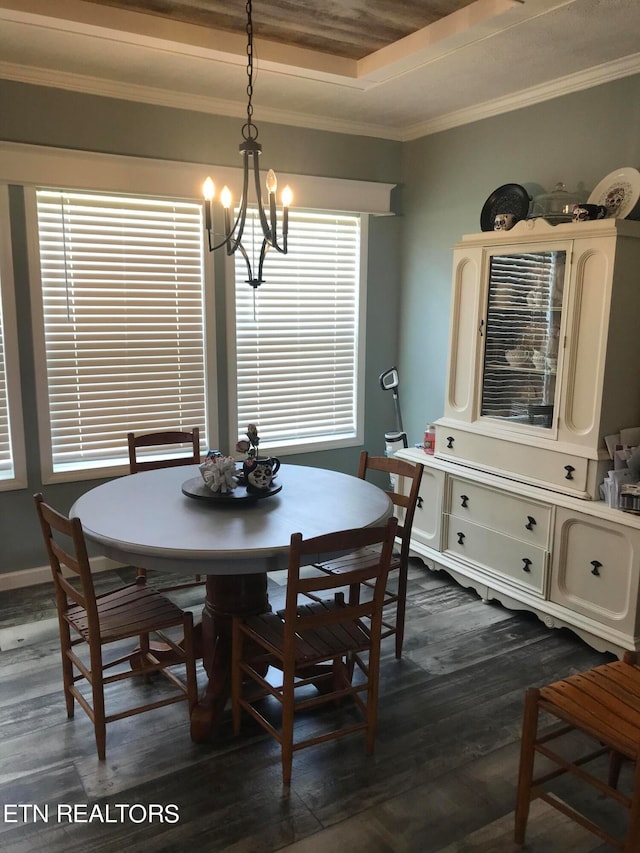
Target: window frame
[[11, 354], [306, 445], [31, 166]]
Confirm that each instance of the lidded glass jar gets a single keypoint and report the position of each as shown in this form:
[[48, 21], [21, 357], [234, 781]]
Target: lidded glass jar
[[557, 206]]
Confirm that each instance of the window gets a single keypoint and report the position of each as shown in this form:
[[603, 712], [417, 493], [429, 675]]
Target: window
[[12, 456], [299, 350], [123, 323]]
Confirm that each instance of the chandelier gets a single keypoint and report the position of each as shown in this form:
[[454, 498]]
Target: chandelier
[[250, 149]]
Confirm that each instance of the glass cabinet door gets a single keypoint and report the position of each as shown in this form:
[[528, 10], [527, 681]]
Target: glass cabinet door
[[522, 337]]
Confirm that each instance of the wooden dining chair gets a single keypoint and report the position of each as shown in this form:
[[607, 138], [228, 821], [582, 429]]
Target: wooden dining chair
[[603, 705], [88, 623], [153, 446], [311, 632], [406, 502], [160, 448]]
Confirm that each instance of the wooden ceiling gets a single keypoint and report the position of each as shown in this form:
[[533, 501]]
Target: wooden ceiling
[[348, 28]]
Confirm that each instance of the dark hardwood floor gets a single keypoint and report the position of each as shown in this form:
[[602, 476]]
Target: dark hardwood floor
[[442, 778]]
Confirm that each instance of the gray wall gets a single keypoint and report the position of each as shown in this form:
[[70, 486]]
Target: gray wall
[[38, 115], [446, 179]]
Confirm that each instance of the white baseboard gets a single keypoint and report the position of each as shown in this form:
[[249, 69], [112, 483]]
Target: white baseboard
[[42, 574]]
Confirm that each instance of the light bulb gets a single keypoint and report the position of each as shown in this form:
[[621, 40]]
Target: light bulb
[[208, 189], [287, 196], [272, 181], [225, 197]]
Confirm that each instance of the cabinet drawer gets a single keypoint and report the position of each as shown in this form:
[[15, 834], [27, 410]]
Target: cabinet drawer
[[517, 517], [536, 465], [595, 568], [502, 556]]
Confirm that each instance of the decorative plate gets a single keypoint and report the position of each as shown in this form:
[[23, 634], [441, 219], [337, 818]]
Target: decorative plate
[[509, 198], [619, 192], [195, 488]]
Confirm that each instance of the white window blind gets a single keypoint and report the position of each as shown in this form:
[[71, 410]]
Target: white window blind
[[13, 473], [6, 454], [297, 336], [123, 308]]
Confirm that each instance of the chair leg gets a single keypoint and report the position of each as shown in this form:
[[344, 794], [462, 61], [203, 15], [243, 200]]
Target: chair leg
[[67, 668], [372, 698], [97, 687], [400, 609], [287, 725], [144, 656], [527, 758], [615, 765], [633, 830]]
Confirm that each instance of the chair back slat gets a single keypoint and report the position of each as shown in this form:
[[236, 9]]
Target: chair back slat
[[163, 439]]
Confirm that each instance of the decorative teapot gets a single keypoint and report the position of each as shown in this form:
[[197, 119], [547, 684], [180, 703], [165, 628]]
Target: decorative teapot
[[259, 472]]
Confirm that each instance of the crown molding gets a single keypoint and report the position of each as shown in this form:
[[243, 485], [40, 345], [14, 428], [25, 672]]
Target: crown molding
[[184, 101], [605, 73]]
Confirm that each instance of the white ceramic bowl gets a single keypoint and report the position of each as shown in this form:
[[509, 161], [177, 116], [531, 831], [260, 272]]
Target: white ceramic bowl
[[538, 359], [516, 357]]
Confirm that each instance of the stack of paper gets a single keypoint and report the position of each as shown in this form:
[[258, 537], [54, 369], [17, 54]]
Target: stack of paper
[[624, 450]]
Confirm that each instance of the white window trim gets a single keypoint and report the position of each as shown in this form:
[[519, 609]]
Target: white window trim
[[87, 170], [306, 445], [12, 363]]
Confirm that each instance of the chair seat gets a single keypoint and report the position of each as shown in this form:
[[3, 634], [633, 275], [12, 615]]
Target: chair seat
[[604, 702], [363, 557], [127, 612], [312, 645], [603, 706]]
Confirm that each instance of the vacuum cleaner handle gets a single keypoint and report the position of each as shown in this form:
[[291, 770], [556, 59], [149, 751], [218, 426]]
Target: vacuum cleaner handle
[[389, 379]]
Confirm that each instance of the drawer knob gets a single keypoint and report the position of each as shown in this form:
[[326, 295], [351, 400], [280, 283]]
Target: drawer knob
[[419, 502], [464, 500], [531, 522], [460, 538], [450, 440], [596, 565], [569, 469], [526, 564]]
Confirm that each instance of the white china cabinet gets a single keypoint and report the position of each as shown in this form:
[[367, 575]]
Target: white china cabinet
[[544, 354], [544, 361]]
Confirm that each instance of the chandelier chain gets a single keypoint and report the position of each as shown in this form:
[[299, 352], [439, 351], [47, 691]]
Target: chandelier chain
[[249, 131]]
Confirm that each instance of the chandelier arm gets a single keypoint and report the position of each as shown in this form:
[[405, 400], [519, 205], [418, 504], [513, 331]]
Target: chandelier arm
[[254, 282], [225, 242], [282, 248], [238, 228], [268, 234], [266, 245]]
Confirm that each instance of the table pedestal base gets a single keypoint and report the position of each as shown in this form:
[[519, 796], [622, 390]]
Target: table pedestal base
[[227, 596]]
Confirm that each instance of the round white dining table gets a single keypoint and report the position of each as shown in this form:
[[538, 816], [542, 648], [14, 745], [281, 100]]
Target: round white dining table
[[146, 520]]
